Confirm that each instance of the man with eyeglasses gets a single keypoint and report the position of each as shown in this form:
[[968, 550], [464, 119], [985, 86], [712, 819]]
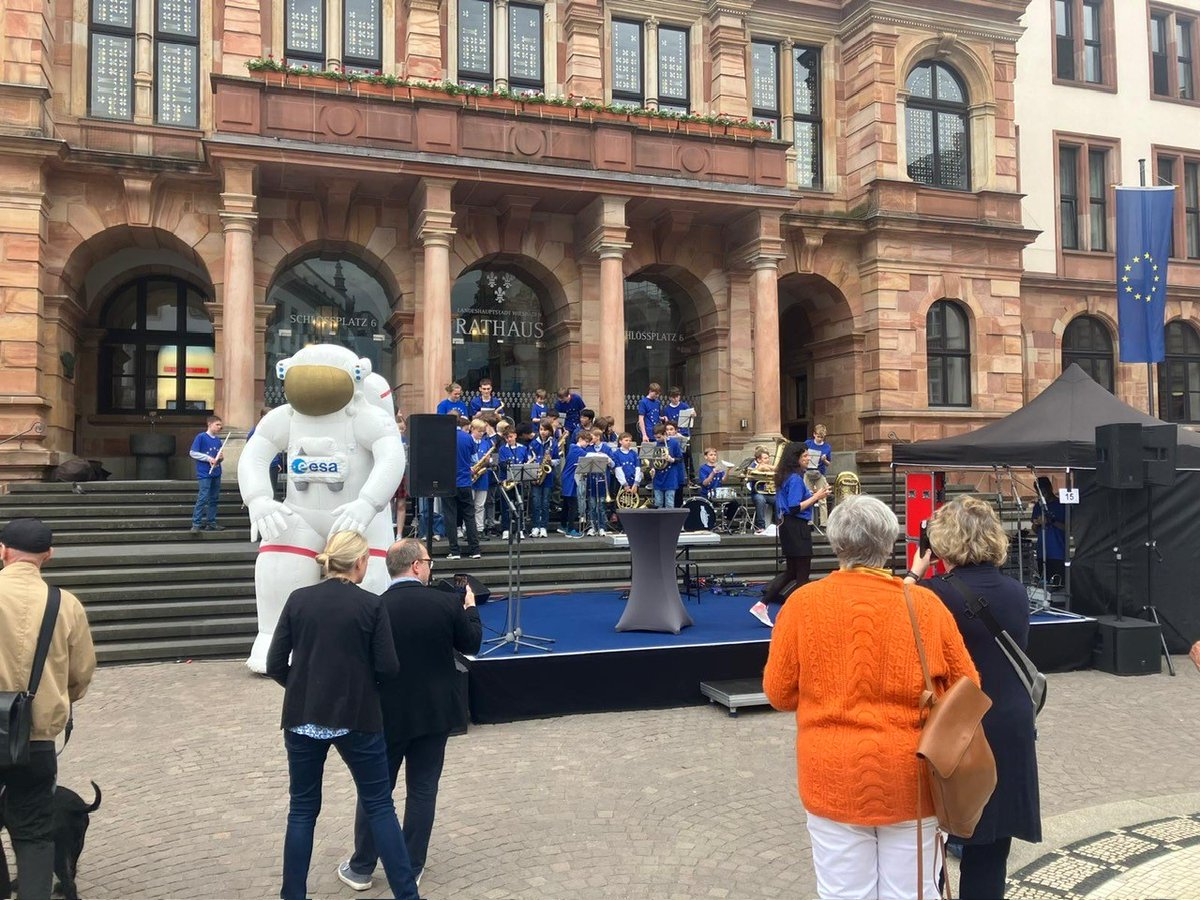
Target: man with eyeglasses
[[419, 705]]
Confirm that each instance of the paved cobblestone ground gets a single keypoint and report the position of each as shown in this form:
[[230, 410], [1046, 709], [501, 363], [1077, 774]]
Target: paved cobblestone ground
[[679, 803]]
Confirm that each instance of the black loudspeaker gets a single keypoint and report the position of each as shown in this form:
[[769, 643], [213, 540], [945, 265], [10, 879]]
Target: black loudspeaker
[[1128, 647], [780, 589], [482, 592], [432, 455], [1119, 456], [1158, 452]]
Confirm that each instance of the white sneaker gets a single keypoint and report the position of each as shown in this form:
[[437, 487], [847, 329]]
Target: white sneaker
[[603, 533], [504, 536], [353, 880], [542, 533], [759, 611]]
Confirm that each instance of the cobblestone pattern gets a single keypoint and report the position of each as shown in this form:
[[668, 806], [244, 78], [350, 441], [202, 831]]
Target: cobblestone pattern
[[681, 803]]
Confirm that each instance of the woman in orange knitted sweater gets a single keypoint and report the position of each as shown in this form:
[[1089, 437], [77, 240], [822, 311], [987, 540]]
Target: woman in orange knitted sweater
[[844, 657]]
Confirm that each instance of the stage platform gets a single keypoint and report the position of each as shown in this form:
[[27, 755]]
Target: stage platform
[[594, 668]]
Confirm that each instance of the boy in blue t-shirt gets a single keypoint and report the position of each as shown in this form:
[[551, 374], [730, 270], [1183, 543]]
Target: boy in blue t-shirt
[[819, 456], [649, 412], [207, 451], [569, 405]]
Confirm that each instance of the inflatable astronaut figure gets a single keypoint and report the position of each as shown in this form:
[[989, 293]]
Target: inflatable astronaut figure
[[344, 463]]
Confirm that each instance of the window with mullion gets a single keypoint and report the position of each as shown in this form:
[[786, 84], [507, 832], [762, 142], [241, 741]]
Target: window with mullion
[[1093, 63], [475, 43], [806, 109], [1064, 40], [362, 36], [525, 64], [628, 77], [1098, 199], [1068, 196], [1082, 34], [764, 84], [1173, 54], [1088, 344], [936, 127], [1185, 77], [948, 355], [110, 59], [1159, 55], [177, 63], [674, 77], [304, 33], [1179, 374]]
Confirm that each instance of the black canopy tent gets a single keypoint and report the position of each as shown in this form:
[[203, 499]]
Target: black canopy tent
[[1057, 431]]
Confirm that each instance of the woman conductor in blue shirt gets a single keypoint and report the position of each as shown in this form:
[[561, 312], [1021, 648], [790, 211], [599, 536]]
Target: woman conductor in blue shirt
[[794, 504]]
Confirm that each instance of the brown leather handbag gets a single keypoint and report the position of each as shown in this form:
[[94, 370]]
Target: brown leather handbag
[[957, 757]]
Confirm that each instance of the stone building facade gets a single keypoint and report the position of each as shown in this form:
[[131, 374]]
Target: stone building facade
[[177, 213]]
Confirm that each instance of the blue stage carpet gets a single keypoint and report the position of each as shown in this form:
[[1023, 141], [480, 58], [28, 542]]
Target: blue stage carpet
[[586, 623]]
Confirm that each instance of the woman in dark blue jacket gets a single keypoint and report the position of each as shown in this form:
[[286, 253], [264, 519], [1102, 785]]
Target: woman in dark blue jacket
[[968, 537], [332, 645]]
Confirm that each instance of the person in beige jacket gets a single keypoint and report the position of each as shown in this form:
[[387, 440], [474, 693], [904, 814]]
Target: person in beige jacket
[[28, 790]]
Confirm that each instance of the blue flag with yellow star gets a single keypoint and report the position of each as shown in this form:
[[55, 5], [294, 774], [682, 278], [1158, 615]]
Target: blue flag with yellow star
[[1145, 216]]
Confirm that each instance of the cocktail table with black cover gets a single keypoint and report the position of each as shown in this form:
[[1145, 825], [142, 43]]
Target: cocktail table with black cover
[[654, 601]]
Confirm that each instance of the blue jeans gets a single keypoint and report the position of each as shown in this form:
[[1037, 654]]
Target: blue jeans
[[439, 524], [365, 755], [595, 505], [664, 499], [762, 510], [539, 499], [207, 492], [422, 758]]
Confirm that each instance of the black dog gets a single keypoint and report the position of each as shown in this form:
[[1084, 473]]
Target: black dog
[[71, 819]]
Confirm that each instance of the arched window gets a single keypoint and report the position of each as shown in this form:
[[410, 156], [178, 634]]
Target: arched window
[[157, 353], [330, 299], [936, 127], [1087, 343], [948, 352], [660, 341], [1179, 375]]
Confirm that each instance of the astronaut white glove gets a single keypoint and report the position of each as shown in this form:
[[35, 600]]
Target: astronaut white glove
[[268, 518], [353, 516]]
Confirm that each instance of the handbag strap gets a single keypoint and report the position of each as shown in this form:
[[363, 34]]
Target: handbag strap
[[977, 607], [49, 618], [927, 696]]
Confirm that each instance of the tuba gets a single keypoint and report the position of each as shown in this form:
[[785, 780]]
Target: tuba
[[845, 485]]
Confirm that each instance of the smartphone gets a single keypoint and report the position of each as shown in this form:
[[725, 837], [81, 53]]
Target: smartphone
[[923, 547], [460, 582]]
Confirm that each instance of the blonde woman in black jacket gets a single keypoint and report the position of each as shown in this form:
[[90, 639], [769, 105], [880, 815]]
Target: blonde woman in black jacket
[[332, 646]]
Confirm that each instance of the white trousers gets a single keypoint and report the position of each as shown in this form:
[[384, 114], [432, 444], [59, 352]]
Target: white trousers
[[861, 862], [480, 506]]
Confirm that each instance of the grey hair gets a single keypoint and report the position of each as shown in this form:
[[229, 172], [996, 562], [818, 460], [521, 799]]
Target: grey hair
[[862, 531], [401, 556]]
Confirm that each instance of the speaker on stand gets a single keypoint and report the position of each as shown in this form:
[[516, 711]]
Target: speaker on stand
[[432, 462]]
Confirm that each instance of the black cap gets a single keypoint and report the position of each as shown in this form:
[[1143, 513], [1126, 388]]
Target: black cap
[[26, 535]]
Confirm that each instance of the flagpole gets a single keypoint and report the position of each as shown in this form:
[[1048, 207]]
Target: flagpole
[[1149, 370]]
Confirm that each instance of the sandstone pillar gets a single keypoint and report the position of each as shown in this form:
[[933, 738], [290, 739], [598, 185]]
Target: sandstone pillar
[[766, 345], [604, 232], [423, 41], [583, 24], [433, 217], [238, 217], [728, 47], [500, 45]]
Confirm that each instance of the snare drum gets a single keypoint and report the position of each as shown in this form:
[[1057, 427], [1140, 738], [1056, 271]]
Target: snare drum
[[702, 516], [724, 493]]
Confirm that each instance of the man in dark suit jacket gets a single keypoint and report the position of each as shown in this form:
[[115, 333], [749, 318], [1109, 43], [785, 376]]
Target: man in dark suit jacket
[[419, 707]]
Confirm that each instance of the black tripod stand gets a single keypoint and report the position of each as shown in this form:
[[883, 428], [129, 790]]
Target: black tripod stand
[[1154, 556], [518, 474]]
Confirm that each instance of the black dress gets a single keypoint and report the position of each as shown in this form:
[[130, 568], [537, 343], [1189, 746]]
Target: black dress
[[1014, 810]]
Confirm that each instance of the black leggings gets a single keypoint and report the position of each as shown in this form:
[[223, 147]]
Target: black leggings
[[799, 568], [982, 872]]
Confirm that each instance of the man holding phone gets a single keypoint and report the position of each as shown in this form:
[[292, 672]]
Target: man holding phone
[[419, 704]]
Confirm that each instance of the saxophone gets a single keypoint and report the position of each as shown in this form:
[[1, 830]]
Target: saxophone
[[546, 468], [480, 467]]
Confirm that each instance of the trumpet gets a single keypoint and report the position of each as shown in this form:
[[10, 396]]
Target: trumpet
[[481, 466]]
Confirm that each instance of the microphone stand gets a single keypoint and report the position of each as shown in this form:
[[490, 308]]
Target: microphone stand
[[518, 473]]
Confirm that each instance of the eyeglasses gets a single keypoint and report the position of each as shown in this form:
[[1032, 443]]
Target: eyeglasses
[[428, 560]]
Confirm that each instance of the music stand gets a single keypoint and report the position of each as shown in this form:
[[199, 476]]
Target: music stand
[[687, 419], [594, 463], [520, 474]]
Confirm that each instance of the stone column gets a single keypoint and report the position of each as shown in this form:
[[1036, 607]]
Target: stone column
[[433, 217], [787, 104], [728, 45], [500, 45], [238, 217], [650, 59], [583, 26], [423, 41], [143, 64], [604, 232], [765, 308]]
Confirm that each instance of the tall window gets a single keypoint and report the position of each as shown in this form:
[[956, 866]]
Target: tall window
[[1087, 343], [1083, 185], [1173, 37], [673, 73], [1183, 172], [475, 43], [937, 127], [628, 82], [177, 63], [1179, 375], [111, 59], [525, 69], [157, 352], [304, 33], [1082, 41], [948, 355], [362, 27], [764, 84], [806, 108]]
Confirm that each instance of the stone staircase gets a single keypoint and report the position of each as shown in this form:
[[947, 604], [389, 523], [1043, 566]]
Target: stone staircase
[[155, 591]]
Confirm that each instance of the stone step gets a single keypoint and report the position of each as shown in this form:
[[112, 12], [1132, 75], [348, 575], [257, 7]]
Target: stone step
[[158, 536], [190, 628], [222, 646], [136, 596], [59, 513], [78, 580], [170, 609], [113, 486]]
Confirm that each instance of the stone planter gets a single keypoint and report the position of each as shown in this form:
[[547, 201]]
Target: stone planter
[[152, 453]]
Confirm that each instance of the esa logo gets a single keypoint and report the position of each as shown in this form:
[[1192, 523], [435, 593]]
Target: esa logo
[[301, 466]]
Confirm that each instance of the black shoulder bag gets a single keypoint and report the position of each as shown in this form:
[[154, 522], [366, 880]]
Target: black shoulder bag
[[1032, 680], [16, 707]]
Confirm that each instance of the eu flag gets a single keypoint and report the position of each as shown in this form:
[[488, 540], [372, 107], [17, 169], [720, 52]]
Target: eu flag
[[1144, 219]]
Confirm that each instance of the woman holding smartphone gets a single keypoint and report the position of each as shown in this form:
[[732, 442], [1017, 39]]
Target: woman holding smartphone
[[794, 502]]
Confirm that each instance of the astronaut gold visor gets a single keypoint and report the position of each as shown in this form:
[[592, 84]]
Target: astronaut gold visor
[[317, 390]]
